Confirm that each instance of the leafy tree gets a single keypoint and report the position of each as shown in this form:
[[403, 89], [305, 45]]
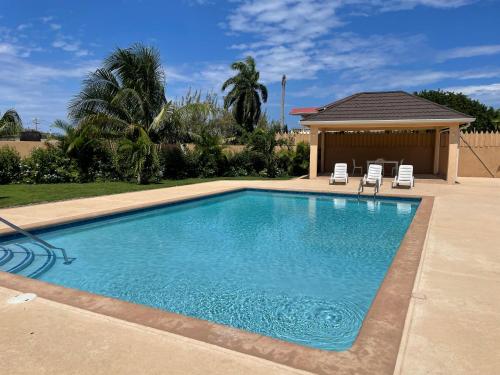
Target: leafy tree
[[246, 94], [487, 118], [10, 123], [125, 101]]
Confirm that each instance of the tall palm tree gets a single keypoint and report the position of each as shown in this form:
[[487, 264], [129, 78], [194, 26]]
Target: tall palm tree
[[10, 123], [246, 94], [125, 100]]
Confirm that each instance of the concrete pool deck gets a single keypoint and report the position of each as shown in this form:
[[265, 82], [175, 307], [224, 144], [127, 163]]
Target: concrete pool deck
[[452, 324]]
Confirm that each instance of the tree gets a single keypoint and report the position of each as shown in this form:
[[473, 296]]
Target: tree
[[10, 123], [264, 142], [92, 156], [125, 101], [486, 117], [246, 94], [208, 150]]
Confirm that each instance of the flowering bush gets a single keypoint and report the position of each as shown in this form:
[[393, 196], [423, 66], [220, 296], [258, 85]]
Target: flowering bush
[[9, 165], [48, 166]]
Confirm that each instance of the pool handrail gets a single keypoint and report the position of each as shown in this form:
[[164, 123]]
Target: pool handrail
[[37, 239]]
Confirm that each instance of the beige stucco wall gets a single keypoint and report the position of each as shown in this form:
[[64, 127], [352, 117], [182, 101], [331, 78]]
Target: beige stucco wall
[[24, 148]]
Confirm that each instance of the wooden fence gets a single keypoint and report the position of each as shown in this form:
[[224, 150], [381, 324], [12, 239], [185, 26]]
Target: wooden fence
[[414, 148], [479, 154]]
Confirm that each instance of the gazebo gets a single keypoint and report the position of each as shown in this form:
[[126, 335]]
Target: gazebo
[[370, 124]]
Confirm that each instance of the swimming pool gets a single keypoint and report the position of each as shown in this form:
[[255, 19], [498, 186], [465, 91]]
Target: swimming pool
[[301, 267]]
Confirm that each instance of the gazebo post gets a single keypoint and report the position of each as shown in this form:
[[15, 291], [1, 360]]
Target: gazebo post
[[454, 139], [437, 146], [322, 166], [313, 152]]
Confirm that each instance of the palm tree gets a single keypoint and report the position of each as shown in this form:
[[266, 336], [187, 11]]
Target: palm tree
[[125, 101], [246, 94], [10, 123]]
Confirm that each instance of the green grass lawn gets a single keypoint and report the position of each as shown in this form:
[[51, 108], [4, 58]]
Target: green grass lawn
[[23, 194]]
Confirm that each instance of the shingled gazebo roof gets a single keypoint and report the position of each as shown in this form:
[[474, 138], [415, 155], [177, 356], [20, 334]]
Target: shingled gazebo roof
[[384, 106]]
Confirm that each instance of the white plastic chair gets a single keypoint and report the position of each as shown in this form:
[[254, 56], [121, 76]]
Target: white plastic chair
[[373, 176], [339, 173], [354, 167], [404, 177]]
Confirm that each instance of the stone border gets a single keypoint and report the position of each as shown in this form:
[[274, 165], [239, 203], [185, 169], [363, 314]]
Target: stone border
[[374, 351]]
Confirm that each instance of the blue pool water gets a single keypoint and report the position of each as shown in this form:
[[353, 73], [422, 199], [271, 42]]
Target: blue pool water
[[299, 267]]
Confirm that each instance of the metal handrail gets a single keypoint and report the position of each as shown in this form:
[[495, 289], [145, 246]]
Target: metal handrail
[[360, 187], [37, 239], [376, 189]]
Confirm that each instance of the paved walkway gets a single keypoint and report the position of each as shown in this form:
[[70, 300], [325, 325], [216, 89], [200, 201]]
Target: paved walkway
[[453, 324]]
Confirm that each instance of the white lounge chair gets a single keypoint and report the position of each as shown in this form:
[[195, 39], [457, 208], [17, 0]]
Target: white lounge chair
[[339, 173], [404, 177], [372, 178]]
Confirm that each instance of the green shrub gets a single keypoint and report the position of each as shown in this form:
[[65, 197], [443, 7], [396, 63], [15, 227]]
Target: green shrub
[[283, 160], [300, 160], [211, 164], [95, 163], [245, 163], [48, 166], [9, 165], [238, 164], [177, 163], [172, 162]]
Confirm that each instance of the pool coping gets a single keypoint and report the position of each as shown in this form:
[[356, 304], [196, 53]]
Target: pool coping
[[374, 351]]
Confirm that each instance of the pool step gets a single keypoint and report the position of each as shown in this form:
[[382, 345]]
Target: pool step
[[26, 258], [7, 255]]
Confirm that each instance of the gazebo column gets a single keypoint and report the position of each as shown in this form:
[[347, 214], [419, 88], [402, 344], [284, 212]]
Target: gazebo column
[[454, 139], [437, 147], [322, 166], [313, 152]]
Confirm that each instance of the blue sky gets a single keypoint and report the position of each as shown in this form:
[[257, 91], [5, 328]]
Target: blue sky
[[327, 48]]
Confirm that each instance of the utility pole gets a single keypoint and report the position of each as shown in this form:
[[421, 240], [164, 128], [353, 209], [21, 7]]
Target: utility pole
[[36, 122], [283, 88]]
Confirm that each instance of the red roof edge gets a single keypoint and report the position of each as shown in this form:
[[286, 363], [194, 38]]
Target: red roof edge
[[303, 111]]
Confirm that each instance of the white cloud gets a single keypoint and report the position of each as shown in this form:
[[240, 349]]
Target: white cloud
[[40, 91], [34, 89], [68, 44], [489, 93], [55, 26], [288, 36], [23, 26], [410, 80], [46, 19], [471, 51], [392, 5]]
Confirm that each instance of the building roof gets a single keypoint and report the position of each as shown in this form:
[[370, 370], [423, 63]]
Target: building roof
[[303, 111], [384, 106]]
